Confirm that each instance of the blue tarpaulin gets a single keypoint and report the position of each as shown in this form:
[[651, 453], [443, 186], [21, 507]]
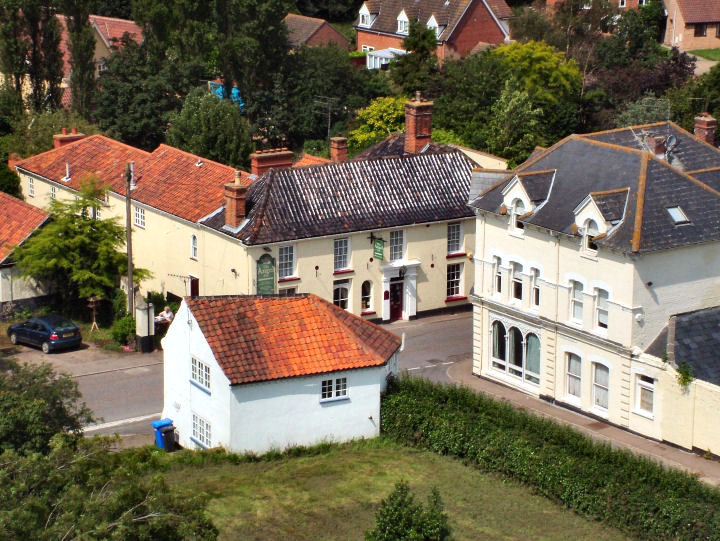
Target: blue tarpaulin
[[219, 90]]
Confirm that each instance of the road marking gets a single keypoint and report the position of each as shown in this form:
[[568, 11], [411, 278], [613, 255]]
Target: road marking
[[447, 363], [121, 422], [116, 370], [417, 368]]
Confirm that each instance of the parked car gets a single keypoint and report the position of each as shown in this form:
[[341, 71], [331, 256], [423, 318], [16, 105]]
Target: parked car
[[49, 332]]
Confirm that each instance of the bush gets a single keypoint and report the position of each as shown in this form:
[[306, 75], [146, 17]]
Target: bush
[[626, 491], [119, 304], [123, 330]]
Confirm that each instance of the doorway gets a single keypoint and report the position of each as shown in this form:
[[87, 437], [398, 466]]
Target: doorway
[[194, 286], [396, 299]]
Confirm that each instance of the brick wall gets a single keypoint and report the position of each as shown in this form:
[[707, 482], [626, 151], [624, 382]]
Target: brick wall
[[327, 34], [476, 25], [377, 40]]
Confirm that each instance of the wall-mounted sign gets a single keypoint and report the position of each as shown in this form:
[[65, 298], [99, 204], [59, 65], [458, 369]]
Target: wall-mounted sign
[[266, 275], [378, 246]]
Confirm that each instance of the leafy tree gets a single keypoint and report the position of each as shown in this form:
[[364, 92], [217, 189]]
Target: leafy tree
[[643, 111], [13, 44], [399, 517], [381, 118], [212, 128], [75, 255], [139, 92], [35, 404], [44, 60], [332, 10], [412, 71], [87, 491], [9, 181], [11, 108], [115, 8], [82, 50]]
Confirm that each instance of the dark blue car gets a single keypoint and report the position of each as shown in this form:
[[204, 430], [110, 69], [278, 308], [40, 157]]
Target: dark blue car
[[48, 332]]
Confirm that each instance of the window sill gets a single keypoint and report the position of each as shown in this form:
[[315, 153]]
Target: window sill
[[574, 324], [197, 385], [518, 234], [288, 279], [193, 258], [198, 443], [456, 298], [600, 412], [455, 255], [643, 413], [334, 399], [343, 271], [591, 257], [573, 400], [368, 313], [140, 226]]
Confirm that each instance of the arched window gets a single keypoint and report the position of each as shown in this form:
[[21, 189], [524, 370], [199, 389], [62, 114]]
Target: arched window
[[518, 209], [193, 246], [498, 341], [515, 350], [341, 292], [532, 358], [366, 296], [590, 232]]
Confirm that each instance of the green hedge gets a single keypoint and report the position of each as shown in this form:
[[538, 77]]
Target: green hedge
[[629, 492]]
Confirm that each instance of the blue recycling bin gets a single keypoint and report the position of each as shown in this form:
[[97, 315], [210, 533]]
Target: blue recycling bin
[[158, 426]]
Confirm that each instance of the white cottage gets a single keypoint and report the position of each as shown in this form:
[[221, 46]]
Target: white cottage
[[255, 373]]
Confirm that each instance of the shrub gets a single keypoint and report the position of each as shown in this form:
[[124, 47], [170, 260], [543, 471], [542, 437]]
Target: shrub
[[626, 491], [123, 330], [119, 304]]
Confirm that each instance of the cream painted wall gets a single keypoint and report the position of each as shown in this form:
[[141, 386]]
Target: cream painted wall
[[14, 288]]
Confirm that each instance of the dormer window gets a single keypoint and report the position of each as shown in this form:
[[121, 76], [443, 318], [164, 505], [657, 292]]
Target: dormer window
[[403, 26], [590, 231], [365, 16], [518, 209], [678, 216], [433, 25]]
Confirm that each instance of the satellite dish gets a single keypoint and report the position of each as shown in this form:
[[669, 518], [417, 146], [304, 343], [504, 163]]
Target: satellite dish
[[671, 142]]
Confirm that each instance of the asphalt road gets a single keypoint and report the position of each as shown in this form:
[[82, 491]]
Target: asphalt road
[[125, 390]]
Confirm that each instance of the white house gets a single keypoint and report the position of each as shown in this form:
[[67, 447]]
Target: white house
[[582, 256], [255, 373]]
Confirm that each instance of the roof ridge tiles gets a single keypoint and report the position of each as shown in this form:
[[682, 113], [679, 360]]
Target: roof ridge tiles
[[705, 170], [616, 130], [203, 158], [642, 184], [613, 191]]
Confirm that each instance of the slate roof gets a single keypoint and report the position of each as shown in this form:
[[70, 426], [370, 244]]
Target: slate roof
[[697, 341], [167, 179], [448, 13], [537, 184], [342, 197], [612, 203], [616, 161], [394, 146], [19, 219], [262, 338], [699, 11]]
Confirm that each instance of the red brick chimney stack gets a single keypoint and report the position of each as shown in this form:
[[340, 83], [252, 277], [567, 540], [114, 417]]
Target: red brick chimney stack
[[262, 160], [656, 145], [705, 126], [418, 123], [235, 198], [63, 138], [338, 149]]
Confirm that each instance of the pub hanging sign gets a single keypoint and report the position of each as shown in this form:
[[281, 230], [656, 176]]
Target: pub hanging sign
[[266, 275], [378, 247]]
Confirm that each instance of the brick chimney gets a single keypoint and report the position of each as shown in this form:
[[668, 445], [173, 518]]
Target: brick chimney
[[235, 197], [338, 149], [65, 138], [705, 126], [13, 158], [656, 145], [262, 160], [418, 123]]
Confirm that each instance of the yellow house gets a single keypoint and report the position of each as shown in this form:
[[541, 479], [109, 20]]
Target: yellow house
[[582, 256]]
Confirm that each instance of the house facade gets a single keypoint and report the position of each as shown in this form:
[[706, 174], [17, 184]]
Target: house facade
[[583, 254], [234, 379], [692, 24], [19, 220], [460, 25], [312, 32]]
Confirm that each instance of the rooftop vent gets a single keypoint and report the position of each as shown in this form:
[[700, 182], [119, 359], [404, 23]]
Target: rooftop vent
[[678, 216]]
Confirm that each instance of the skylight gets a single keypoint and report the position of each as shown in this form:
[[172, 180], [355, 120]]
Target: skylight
[[677, 215]]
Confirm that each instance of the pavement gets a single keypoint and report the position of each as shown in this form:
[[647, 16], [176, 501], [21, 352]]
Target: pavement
[[703, 65]]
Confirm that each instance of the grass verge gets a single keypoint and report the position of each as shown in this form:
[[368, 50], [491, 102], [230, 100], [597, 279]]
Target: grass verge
[[709, 54], [334, 494]]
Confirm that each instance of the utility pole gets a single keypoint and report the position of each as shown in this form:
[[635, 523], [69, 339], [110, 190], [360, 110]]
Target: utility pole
[[329, 102], [128, 241]]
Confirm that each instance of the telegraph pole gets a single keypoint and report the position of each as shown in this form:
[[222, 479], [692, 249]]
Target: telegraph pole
[[329, 102], [128, 241]]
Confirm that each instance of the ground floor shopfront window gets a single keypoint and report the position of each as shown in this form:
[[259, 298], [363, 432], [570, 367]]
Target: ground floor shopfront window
[[515, 353]]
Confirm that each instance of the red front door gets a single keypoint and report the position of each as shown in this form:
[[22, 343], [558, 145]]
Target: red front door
[[396, 300]]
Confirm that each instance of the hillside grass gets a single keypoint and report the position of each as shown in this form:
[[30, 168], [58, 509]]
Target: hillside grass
[[710, 54], [334, 494]]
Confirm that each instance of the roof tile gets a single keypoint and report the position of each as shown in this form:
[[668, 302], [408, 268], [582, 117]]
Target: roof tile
[[19, 220]]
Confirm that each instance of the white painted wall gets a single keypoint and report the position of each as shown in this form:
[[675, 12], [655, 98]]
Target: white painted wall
[[14, 288]]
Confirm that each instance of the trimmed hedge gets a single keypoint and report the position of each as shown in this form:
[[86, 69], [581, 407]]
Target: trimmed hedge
[[624, 490]]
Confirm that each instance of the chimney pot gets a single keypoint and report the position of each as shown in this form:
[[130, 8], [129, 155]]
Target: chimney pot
[[64, 131], [705, 127], [237, 177], [338, 149], [74, 130]]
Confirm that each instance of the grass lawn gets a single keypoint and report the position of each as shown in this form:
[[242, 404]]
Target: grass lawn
[[710, 54], [334, 495]]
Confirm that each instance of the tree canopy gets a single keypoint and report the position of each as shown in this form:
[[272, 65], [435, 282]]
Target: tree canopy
[[381, 118], [412, 71]]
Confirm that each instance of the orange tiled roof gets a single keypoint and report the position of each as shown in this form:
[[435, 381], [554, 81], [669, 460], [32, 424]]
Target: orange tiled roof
[[258, 338], [112, 29], [19, 220], [167, 179], [309, 159]]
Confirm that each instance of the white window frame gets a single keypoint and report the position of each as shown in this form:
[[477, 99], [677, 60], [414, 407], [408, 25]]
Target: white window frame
[[534, 287], [341, 253], [497, 275], [641, 384], [403, 26], [333, 389], [96, 214], [517, 209], [53, 192], [576, 300], [366, 301], [598, 386], [397, 249], [365, 19], [201, 431], [602, 308], [338, 286], [139, 217], [367, 48], [572, 377], [520, 371], [193, 246], [454, 280], [287, 291], [622, 3], [454, 238], [516, 281], [286, 261], [588, 246], [200, 373], [31, 187]]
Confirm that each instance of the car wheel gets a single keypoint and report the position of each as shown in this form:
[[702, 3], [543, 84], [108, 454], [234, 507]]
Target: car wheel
[[45, 347], [13, 338]]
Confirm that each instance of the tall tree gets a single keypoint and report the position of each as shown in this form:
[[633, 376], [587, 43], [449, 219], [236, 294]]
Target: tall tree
[[13, 44], [44, 61], [82, 50], [412, 71]]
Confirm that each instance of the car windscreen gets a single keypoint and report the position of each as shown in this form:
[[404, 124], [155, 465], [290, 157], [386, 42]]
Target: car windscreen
[[64, 325]]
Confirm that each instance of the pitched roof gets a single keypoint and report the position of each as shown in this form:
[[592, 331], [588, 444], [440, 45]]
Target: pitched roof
[[394, 145], [309, 159], [112, 29], [261, 338], [167, 179], [342, 197], [19, 220], [699, 11], [611, 203], [301, 28], [447, 13], [616, 161]]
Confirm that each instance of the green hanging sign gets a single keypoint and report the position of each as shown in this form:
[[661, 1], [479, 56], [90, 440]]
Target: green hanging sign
[[266, 275], [378, 248]]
